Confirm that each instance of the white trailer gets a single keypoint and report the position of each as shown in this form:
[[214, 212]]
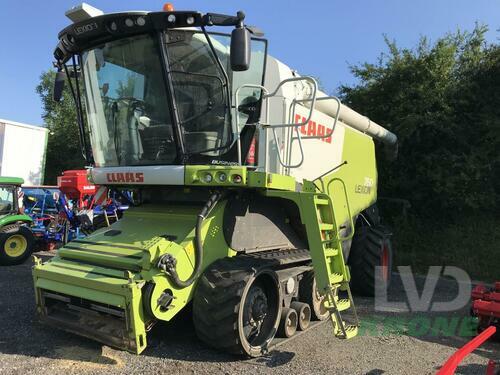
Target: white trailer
[[22, 151]]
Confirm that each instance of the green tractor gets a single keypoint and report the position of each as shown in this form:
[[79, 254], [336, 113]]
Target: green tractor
[[16, 238], [252, 193]]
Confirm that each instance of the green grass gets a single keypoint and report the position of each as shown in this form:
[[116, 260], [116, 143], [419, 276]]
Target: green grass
[[469, 242]]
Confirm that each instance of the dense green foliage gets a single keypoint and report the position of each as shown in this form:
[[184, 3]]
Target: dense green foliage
[[63, 147], [443, 102], [471, 242]]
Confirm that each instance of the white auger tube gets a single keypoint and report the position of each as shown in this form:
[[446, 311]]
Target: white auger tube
[[359, 122]]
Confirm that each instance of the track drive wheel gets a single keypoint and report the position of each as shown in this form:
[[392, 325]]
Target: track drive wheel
[[370, 260], [308, 293], [16, 244], [237, 306]]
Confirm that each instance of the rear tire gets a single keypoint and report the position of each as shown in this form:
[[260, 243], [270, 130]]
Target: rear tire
[[370, 260], [237, 306], [16, 244]]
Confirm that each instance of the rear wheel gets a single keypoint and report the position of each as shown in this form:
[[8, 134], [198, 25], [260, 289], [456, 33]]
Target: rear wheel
[[370, 260], [237, 306], [16, 244]]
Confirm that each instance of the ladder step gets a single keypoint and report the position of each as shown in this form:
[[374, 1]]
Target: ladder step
[[329, 252], [343, 304], [350, 331], [321, 201], [336, 278], [324, 226]]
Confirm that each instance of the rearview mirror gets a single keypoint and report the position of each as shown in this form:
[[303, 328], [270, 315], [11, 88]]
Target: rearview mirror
[[59, 86], [240, 49]]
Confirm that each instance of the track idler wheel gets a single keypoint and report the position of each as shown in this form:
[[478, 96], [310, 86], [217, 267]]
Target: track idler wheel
[[304, 314], [308, 293], [288, 322]]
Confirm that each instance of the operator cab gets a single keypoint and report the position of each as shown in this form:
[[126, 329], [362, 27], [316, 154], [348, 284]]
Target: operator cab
[[9, 195], [157, 88]]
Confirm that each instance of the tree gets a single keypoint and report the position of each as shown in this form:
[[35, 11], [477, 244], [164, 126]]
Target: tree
[[63, 147], [442, 102]]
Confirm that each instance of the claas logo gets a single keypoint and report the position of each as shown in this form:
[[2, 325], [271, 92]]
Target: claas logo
[[314, 129], [125, 177]]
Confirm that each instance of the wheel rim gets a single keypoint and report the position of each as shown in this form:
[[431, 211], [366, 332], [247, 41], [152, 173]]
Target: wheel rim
[[259, 316], [318, 301], [384, 262], [291, 323], [254, 313], [305, 317], [15, 245]]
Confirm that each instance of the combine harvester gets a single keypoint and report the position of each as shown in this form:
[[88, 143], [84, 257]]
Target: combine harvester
[[253, 191]]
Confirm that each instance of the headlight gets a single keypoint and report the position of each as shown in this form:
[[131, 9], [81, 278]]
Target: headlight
[[222, 177], [141, 21], [207, 178]]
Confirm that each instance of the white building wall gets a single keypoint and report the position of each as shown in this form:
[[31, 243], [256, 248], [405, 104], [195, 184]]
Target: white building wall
[[22, 149]]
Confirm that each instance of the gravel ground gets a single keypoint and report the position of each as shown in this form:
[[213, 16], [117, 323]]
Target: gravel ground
[[28, 347]]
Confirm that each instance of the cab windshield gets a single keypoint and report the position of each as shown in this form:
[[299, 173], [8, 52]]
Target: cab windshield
[[129, 108], [127, 104], [7, 203]]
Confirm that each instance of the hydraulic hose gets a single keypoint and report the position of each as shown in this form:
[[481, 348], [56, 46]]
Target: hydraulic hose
[[168, 263]]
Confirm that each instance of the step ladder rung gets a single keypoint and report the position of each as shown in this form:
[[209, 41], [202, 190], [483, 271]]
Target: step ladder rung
[[330, 252], [340, 305], [321, 201], [351, 331], [336, 278], [325, 226], [343, 304]]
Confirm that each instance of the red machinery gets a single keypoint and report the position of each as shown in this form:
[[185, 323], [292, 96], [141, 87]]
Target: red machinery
[[486, 306], [75, 185], [452, 363]]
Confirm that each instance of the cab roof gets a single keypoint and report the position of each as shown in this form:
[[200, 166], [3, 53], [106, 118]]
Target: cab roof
[[11, 180]]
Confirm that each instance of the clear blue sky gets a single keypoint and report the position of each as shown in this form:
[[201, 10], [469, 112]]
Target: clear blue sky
[[315, 37]]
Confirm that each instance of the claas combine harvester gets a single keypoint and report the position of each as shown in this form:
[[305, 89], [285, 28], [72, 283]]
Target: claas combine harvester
[[252, 192]]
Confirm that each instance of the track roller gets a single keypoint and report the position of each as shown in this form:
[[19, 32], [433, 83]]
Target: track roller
[[304, 314], [288, 322]]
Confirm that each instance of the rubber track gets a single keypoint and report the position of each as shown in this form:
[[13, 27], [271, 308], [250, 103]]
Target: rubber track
[[217, 300]]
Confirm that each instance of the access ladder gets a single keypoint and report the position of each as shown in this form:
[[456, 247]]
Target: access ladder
[[332, 274]]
